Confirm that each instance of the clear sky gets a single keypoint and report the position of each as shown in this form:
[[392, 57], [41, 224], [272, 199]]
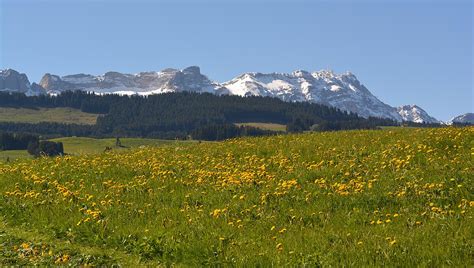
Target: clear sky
[[405, 52]]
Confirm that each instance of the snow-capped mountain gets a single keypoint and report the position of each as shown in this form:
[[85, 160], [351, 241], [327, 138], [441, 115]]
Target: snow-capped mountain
[[13, 81], [144, 83], [415, 114], [343, 91], [467, 118]]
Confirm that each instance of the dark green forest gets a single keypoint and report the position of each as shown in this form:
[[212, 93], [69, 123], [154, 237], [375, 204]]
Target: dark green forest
[[182, 115]]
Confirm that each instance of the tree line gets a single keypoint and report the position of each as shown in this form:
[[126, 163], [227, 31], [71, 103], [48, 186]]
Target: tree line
[[183, 115], [16, 141], [31, 143]]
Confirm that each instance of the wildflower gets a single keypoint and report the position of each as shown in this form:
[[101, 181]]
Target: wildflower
[[279, 246]]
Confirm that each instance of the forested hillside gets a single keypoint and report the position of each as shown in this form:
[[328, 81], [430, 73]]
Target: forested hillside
[[182, 115]]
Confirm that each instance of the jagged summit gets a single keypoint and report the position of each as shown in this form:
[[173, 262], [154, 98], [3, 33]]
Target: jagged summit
[[415, 114], [143, 83], [326, 87], [343, 91], [13, 81]]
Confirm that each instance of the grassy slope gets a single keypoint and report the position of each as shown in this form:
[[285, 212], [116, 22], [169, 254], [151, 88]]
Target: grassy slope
[[82, 145], [265, 126], [354, 198], [59, 115], [13, 155]]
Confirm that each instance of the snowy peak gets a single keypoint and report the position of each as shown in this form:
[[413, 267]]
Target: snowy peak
[[415, 114], [13, 81], [144, 83], [467, 118], [343, 91]]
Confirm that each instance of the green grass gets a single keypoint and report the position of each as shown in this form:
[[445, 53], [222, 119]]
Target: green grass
[[82, 145], [12, 155], [398, 197], [58, 115], [265, 126]]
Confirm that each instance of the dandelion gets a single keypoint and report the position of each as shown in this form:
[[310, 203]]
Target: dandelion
[[25, 245], [279, 246]]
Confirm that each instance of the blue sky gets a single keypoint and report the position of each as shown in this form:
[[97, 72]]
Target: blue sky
[[404, 51]]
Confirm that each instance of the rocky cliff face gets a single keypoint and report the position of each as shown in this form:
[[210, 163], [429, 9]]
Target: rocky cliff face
[[13, 81], [144, 83]]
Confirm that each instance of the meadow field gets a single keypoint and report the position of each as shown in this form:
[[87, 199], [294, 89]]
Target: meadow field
[[84, 145], [395, 197], [265, 126], [56, 115]]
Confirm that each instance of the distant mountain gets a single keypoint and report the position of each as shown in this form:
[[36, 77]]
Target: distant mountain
[[145, 83], [343, 91], [467, 118], [13, 81], [415, 114]]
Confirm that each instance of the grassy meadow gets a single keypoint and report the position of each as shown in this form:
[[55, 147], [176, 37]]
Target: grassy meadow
[[11, 155], [265, 126], [56, 115], [395, 197], [83, 145]]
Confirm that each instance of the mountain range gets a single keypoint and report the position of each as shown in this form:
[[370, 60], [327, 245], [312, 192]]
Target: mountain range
[[343, 91]]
